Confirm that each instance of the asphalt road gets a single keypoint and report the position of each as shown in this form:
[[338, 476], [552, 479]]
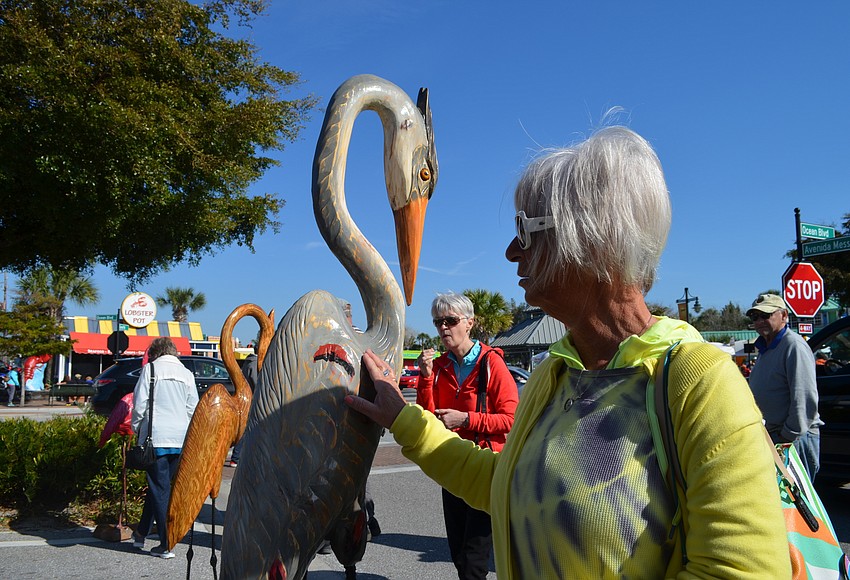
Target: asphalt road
[[408, 507]]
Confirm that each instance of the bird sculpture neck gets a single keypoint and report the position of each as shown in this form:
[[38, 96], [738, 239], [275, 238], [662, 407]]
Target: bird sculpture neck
[[382, 297]]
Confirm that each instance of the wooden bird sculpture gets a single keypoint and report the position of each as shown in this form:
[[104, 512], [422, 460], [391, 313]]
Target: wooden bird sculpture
[[217, 424], [306, 455]]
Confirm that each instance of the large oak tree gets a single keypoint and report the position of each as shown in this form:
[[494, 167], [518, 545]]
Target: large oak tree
[[130, 131]]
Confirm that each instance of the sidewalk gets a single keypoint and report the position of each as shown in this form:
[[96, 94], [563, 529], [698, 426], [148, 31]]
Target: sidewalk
[[39, 409]]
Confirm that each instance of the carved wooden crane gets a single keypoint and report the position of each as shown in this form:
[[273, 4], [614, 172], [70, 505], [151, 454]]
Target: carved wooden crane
[[306, 455], [217, 424]]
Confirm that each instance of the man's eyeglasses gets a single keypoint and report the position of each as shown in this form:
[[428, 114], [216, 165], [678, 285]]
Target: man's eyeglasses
[[760, 316], [449, 321], [525, 226]]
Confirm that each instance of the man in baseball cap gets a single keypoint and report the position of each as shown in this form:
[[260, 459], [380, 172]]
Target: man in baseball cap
[[767, 304], [783, 381]]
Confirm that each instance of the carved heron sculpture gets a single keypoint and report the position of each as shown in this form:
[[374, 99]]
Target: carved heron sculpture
[[217, 424], [306, 454]]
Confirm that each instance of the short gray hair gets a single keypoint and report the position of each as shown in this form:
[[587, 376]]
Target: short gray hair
[[161, 346], [610, 204], [452, 302]]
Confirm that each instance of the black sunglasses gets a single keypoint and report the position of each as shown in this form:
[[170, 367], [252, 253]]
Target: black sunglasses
[[760, 316], [449, 321]]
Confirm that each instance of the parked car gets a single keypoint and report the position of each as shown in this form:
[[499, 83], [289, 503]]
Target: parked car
[[831, 346], [409, 378], [520, 375], [120, 379]]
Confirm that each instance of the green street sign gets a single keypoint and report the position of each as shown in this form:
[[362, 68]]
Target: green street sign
[[816, 232], [107, 317], [123, 327], [826, 247]]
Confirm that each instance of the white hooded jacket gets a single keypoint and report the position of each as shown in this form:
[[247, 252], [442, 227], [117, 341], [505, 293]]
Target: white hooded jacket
[[175, 398]]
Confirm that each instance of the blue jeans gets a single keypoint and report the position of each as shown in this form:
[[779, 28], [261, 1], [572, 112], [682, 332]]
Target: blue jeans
[[156, 499], [808, 448]]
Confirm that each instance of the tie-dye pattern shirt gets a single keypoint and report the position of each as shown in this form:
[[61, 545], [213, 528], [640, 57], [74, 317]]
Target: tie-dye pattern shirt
[[596, 525]]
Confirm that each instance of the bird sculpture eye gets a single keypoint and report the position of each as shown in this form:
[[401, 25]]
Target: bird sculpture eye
[[424, 174]]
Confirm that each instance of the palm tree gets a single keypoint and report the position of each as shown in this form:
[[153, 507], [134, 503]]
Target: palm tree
[[492, 313], [423, 340], [52, 287], [182, 300]]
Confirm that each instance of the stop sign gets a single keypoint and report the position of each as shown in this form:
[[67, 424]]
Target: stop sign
[[802, 288]]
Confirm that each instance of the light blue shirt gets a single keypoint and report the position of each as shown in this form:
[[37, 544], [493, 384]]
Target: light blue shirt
[[465, 366]]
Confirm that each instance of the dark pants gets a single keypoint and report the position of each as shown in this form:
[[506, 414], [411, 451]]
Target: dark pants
[[470, 537], [156, 499]]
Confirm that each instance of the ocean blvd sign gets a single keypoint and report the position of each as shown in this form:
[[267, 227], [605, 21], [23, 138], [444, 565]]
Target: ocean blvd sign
[[138, 309], [816, 232]]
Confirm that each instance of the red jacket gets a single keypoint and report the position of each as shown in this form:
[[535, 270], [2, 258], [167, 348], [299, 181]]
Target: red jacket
[[441, 391]]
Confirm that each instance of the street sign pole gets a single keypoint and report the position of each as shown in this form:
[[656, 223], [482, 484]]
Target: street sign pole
[[799, 256]]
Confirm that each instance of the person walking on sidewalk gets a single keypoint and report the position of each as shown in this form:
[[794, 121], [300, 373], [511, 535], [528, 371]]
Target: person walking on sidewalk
[[174, 400]]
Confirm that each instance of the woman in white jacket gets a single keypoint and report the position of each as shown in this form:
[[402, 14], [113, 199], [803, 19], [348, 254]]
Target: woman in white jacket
[[175, 398]]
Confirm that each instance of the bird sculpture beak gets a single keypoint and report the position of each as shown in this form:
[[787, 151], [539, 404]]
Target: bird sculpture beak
[[409, 226], [410, 218]]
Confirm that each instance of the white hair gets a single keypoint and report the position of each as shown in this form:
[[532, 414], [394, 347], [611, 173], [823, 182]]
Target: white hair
[[452, 302], [610, 204]]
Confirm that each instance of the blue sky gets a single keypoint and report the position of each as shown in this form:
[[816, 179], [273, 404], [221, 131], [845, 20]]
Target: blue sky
[[743, 102]]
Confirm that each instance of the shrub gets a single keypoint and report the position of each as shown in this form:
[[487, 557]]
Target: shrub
[[56, 464]]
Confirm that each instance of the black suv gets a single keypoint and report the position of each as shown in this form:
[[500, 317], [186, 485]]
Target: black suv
[[831, 346], [121, 378]]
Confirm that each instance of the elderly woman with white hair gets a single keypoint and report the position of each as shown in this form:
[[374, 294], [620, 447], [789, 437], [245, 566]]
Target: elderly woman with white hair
[[577, 491], [470, 389]]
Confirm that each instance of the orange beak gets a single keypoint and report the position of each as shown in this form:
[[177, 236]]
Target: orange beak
[[409, 227]]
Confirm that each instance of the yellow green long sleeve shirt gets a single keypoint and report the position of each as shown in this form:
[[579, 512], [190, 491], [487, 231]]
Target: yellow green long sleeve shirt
[[732, 513]]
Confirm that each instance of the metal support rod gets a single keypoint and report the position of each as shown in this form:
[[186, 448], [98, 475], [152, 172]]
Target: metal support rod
[[799, 256]]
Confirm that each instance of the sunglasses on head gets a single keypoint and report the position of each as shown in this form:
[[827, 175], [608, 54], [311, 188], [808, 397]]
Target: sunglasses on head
[[525, 226], [449, 321], [760, 316]]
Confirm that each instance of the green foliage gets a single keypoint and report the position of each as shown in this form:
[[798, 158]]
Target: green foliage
[[27, 330], [492, 313], [517, 311], [730, 317], [834, 268], [658, 309], [130, 132], [52, 287], [54, 464], [181, 301]]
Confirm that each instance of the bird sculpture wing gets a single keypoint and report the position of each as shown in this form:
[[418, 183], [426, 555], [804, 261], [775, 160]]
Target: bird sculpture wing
[[217, 424], [306, 455]]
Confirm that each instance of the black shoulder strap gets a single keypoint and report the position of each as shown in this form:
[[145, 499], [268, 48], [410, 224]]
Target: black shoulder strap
[[150, 406], [481, 403], [674, 467]]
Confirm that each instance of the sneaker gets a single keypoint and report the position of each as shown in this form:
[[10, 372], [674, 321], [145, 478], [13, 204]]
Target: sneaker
[[325, 548], [233, 464], [12, 405], [138, 541], [162, 552]]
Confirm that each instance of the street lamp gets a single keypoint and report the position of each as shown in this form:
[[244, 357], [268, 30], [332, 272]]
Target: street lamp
[[683, 305]]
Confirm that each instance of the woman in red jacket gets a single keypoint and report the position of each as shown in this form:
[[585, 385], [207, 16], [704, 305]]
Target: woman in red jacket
[[478, 404]]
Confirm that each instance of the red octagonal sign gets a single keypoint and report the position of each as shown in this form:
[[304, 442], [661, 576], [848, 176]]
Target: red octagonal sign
[[802, 288]]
